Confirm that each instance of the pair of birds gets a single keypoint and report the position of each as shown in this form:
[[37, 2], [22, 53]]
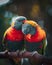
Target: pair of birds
[[24, 34]]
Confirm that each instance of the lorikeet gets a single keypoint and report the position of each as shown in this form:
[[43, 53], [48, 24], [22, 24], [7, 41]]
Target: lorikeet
[[13, 38], [35, 37]]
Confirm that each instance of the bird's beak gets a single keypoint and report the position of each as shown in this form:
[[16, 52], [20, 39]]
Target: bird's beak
[[28, 36], [24, 21]]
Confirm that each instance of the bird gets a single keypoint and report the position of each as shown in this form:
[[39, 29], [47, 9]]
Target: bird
[[35, 38], [13, 38]]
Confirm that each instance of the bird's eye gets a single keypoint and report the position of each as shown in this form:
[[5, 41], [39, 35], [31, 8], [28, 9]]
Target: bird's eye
[[19, 20]]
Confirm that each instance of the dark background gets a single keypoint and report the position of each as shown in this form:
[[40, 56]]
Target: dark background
[[37, 10]]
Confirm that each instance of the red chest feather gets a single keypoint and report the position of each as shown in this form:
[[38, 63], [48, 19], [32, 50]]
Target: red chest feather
[[14, 35]]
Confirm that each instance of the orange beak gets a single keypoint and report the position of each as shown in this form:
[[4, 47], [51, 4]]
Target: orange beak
[[28, 36], [24, 21]]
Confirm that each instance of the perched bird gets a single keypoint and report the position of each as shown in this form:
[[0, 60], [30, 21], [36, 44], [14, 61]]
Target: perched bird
[[35, 38], [13, 38]]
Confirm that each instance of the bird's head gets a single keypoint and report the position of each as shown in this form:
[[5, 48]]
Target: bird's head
[[29, 27], [18, 21]]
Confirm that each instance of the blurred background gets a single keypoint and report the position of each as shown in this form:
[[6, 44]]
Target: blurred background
[[37, 10]]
